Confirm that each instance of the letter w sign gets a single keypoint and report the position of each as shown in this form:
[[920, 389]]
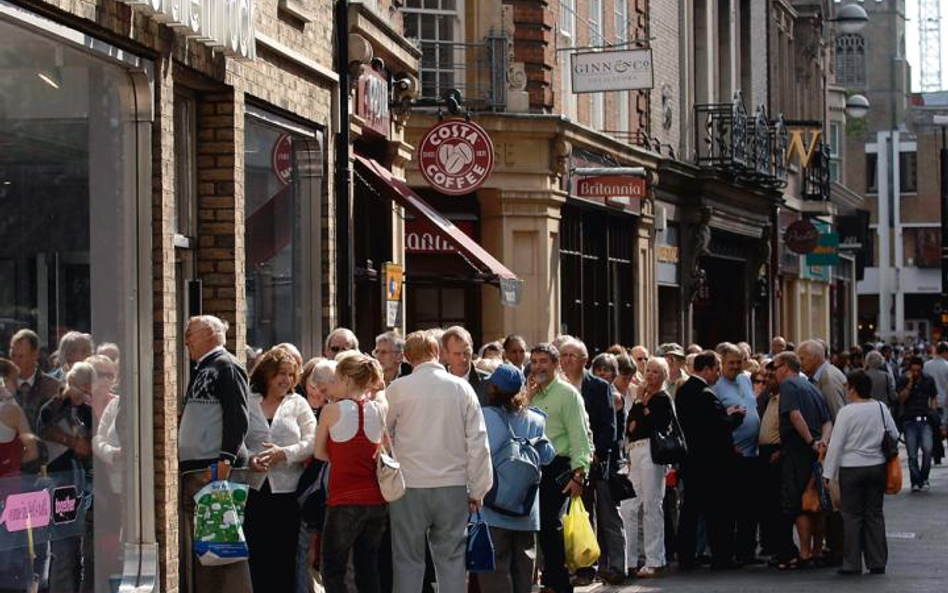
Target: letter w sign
[[798, 144]]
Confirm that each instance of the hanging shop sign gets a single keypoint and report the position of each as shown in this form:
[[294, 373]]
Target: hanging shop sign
[[801, 236], [456, 156], [372, 102], [607, 186], [392, 286], [826, 252], [623, 70], [224, 25]]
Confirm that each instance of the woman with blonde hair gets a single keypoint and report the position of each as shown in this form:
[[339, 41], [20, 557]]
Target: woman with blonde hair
[[350, 433], [280, 440], [651, 411]]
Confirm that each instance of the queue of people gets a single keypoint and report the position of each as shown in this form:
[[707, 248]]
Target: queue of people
[[757, 432]]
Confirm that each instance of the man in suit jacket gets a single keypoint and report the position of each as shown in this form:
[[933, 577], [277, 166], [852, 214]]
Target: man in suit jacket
[[34, 387], [708, 469]]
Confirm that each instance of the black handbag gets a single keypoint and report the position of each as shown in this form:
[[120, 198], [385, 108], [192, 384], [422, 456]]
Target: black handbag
[[620, 487], [890, 444], [668, 447]]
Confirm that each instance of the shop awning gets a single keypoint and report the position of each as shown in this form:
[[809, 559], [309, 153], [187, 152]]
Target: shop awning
[[383, 180]]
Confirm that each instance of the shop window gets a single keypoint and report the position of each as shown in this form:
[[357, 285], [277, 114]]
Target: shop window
[[596, 102], [596, 277], [567, 27], [69, 254], [621, 18], [283, 179], [922, 247]]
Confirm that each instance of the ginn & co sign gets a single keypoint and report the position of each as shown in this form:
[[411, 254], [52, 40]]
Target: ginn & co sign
[[224, 25], [594, 72]]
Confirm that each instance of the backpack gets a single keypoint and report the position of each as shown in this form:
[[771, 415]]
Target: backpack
[[516, 474]]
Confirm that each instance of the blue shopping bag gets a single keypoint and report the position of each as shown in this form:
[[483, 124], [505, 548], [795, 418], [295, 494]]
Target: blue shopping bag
[[480, 549]]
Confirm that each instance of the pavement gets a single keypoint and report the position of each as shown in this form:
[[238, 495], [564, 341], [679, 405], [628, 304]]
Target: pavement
[[917, 529]]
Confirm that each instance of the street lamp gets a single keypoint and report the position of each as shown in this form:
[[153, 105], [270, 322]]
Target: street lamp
[[851, 18], [857, 106]]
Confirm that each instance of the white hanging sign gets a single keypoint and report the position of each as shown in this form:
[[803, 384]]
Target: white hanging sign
[[623, 70]]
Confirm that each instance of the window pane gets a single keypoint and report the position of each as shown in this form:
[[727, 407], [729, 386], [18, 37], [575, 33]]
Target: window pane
[[68, 259], [279, 193]]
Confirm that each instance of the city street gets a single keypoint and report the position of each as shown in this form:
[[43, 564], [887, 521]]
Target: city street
[[918, 539]]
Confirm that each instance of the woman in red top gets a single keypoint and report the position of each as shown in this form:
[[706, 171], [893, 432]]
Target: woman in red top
[[348, 437]]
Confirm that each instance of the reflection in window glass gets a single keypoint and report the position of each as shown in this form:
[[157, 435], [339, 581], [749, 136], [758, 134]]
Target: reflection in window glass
[[283, 179], [67, 254]]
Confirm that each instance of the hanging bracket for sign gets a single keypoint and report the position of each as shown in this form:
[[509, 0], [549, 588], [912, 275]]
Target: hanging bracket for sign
[[601, 171]]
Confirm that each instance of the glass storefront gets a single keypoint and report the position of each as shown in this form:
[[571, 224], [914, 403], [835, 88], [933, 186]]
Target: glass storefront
[[69, 255], [283, 182]]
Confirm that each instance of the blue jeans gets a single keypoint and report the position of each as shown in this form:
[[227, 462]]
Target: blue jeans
[[918, 433]]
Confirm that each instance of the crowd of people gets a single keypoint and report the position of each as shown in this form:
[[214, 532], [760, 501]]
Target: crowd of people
[[751, 437], [759, 432]]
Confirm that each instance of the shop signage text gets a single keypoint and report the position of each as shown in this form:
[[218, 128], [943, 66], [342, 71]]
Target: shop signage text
[[422, 236], [26, 510], [594, 72], [801, 236], [225, 25], [666, 254], [392, 285], [798, 144], [281, 159], [826, 252], [372, 102], [607, 186], [456, 156]]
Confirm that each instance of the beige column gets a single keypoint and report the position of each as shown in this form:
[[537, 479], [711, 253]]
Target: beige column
[[521, 228], [646, 283]]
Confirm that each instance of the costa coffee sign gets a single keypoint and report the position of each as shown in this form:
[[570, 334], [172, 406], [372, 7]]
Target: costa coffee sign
[[372, 102], [607, 186], [456, 157], [801, 237]]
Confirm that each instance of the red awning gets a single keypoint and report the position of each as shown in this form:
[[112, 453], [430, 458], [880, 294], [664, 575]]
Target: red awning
[[383, 180]]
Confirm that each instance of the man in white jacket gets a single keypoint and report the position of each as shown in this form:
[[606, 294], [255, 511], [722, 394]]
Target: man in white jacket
[[441, 442]]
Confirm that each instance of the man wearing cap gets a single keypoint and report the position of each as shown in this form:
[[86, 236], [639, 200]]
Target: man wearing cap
[[514, 537], [675, 357]]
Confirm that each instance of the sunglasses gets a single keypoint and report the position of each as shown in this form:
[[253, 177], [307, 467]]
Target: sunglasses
[[759, 381], [336, 349]]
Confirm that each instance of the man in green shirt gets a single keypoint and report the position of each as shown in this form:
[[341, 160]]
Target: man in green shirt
[[567, 428]]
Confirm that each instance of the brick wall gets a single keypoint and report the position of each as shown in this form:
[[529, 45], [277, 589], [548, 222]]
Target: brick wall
[[535, 22], [665, 117]]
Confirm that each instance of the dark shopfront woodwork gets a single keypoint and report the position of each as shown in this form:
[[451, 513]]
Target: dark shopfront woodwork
[[372, 244], [597, 279]]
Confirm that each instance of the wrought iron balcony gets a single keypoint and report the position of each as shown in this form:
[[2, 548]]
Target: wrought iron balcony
[[752, 149], [477, 70], [816, 175]]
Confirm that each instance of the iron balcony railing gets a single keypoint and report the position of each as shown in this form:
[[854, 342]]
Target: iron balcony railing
[[751, 148], [477, 70], [816, 175]]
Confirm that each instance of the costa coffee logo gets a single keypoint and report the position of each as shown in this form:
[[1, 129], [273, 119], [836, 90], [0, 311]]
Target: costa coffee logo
[[281, 159], [801, 237], [456, 157]]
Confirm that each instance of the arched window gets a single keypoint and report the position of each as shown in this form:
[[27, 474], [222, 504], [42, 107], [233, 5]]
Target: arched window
[[851, 61]]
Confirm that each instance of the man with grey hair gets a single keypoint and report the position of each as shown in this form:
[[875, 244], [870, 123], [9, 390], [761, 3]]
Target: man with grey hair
[[389, 351], [828, 379], [457, 350], [883, 384], [339, 340], [212, 431], [73, 347]]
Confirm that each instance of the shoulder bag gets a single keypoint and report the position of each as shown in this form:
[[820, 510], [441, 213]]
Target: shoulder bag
[[668, 447], [389, 471], [893, 466]]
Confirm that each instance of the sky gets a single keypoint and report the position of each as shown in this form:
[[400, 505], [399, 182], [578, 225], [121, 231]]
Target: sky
[[911, 42]]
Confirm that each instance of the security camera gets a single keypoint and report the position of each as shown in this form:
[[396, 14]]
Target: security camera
[[405, 87]]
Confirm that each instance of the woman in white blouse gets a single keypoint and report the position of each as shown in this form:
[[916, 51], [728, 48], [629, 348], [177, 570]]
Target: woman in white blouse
[[855, 456], [280, 438]]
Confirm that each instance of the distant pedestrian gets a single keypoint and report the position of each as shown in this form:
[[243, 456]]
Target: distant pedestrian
[[918, 397]]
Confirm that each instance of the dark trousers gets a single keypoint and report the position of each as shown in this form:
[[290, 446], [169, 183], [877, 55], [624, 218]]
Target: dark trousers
[[272, 527], [515, 555], [796, 468], [706, 494], [357, 530], [769, 498], [552, 500], [747, 516], [861, 492]]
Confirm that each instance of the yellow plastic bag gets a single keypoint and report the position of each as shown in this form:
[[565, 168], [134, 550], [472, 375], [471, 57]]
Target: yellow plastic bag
[[582, 549]]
